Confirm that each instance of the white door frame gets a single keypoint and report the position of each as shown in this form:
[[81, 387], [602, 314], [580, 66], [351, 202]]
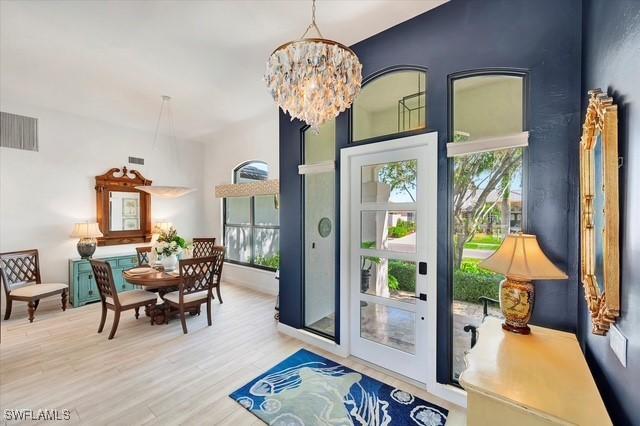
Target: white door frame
[[447, 392]]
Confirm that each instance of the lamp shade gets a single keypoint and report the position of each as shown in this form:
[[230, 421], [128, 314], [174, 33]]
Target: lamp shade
[[162, 227], [520, 257], [166, 191], [86, 230]]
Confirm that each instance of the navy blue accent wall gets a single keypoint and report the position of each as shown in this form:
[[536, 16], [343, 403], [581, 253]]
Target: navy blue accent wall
[[611, 61], [542, 37], [291, 220]]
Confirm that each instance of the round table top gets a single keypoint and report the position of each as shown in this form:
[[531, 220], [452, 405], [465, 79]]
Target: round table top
[[153, 279]]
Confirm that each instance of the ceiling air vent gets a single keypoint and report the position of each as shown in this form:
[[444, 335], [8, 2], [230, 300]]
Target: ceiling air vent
[[18, 131], [136, 160]]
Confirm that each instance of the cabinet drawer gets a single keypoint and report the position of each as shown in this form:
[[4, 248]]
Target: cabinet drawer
[[84, 267], [127, 262]]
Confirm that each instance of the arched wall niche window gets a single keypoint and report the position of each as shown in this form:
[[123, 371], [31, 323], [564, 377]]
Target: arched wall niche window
[[488, 140], [251, 171], [252, 224], [392, 102]]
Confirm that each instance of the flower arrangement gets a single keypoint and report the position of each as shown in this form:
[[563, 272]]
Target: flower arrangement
[[167, 248], [169, 243]]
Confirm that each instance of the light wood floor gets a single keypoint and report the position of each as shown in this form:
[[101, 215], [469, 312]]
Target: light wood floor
[[150, 374]]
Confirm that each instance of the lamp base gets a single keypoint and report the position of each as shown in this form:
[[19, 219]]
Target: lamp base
[[516, 303], [86, 247], [515, 329]]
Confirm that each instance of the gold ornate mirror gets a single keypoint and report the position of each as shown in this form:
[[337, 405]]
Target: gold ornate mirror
[[599, 211]]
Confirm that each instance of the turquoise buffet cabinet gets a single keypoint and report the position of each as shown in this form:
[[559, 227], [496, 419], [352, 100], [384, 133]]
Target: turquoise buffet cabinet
[[83, 285]]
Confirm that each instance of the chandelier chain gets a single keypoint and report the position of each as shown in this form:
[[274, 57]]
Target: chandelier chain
[[313, 22]]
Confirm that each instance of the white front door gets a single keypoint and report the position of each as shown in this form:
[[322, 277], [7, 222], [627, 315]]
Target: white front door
[[392, 253]]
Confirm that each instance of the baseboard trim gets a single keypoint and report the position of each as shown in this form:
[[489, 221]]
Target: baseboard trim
[[313, 339], [252, 286]]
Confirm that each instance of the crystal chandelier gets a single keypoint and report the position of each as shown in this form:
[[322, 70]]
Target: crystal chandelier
[[313, 79], [165, 191]]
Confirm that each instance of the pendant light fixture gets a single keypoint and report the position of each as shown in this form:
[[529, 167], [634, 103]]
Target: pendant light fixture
[[313, 79], [165, 191]]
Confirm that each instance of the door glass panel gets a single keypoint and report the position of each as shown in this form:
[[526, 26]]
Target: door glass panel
[[392, 103], [390, 278], [388, 230], [238, 243], [238, 210], [319, 233], [388, 325], [389, 183]]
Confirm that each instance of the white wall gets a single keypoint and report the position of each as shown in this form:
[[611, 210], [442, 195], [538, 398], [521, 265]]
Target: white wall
[[256, 139], [42, 194]]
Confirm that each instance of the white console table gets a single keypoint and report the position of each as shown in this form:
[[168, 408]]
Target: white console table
[[539, 379]]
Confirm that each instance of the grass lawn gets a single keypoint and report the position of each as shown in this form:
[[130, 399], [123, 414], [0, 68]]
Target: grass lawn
[[484, 242]]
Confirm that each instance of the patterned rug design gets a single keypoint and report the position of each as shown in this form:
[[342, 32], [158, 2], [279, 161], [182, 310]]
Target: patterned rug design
[[307, 389]]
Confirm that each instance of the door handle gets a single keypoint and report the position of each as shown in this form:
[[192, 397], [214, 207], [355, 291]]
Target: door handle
[[421, 296], [422, 268]]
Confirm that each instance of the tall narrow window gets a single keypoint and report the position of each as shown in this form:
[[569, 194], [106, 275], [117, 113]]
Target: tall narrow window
[[319, 229], [390, 104], [487, 149], [251, 224]]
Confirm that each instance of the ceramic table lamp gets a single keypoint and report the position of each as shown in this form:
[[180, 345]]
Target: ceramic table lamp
[[520, 260], [87, 232]]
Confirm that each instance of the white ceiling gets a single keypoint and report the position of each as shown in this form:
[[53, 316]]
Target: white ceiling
[[113, 59]]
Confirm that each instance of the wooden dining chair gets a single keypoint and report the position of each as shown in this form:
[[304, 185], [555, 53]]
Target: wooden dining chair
[[20, 275], [118, 302], [203, 247], [143, 255], [198, 277]]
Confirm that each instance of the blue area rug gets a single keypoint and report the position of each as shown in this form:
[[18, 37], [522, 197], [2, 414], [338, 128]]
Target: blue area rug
[[307, 389]]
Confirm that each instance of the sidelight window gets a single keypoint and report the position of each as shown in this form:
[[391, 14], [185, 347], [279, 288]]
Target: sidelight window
[[487, 147]]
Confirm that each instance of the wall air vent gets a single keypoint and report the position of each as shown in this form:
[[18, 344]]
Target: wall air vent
[[136, 160], [18, 131]]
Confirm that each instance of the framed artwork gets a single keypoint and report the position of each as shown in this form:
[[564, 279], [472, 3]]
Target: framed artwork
[[129, 207], [599, 203], [130, 224]]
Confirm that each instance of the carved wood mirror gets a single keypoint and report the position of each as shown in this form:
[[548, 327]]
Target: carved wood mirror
[[599, 211], [123, 212]]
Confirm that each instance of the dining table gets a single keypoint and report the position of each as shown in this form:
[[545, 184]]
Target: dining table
[[157, 280]]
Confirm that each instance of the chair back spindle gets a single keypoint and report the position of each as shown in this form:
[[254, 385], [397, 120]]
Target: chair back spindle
[[104, 280], [203, 247], [143, 255], [197, 274], [19, 269], [218, 254]]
